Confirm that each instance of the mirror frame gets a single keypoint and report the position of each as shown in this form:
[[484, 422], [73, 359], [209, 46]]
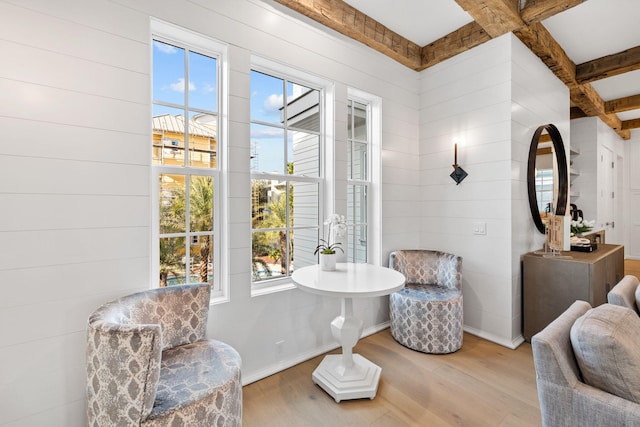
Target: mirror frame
[[563, 174]]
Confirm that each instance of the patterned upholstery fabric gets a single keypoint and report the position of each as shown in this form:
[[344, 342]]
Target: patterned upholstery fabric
[[149, 364], [426, 315], [565, 399]]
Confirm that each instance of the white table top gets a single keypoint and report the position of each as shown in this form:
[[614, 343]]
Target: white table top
[[349, 280]]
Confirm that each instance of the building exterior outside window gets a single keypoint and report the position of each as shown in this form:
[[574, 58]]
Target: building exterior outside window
[[287, 176], [185, 157]]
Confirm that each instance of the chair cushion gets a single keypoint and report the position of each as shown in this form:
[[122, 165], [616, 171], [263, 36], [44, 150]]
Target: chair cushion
[[428, 292], [199, 382], [606, 343]]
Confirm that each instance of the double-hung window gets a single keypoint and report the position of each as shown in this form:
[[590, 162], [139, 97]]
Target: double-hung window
[[363, 169], [185, 157], [287, 158]]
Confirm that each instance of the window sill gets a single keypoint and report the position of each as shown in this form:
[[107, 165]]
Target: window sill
[[285, 285]]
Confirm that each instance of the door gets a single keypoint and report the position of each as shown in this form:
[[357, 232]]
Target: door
[[607, 195]]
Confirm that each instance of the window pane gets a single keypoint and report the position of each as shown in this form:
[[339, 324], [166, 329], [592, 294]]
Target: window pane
[[357, 161], [269, 204], [267, 248], [168, 135], [168, 73], [202, 82], [357, 244], [304, 246], [172, 261], [201, 259], [202, 140], [172, 204], [356, 204], [201, 203], [303, 108], [267, 98], [305, 204], [359, 122], [268, 147], [304, 153]]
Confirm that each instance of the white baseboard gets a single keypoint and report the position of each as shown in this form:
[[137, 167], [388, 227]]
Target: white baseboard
[[303, 357], [513, 344]]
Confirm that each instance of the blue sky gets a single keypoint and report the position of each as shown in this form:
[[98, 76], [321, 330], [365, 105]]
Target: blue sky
[[169, 85]]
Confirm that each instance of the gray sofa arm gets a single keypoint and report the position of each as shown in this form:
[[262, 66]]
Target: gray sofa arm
[[624, 293]]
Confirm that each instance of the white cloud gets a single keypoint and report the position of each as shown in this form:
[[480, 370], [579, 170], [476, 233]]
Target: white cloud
[[266, 132], [273, 102], [208, 88], [179, 86], [165, 48]]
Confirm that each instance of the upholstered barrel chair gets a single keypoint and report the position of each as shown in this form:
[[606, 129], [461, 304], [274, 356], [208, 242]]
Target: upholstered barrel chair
[[426, 315], [150, 364]]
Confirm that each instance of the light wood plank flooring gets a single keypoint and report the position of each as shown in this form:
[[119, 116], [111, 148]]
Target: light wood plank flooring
[[632, 267], [483, 384]]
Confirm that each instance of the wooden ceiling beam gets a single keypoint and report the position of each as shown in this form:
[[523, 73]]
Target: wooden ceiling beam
[[622, 104], [631, 124], [542, 44], [539, 10], [492, 18], [587, 99], [350, 22], [464, 38], [497, 17], [608, 66], [576, 113]]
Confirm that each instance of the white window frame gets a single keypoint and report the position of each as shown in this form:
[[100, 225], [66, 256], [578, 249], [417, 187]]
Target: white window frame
[[181, 37], [325, 179], [373, 181]]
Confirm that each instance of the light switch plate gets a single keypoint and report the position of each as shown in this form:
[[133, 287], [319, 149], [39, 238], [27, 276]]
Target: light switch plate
[[480, 228]]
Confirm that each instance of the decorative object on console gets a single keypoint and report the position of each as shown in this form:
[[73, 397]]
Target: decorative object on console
[[580, 226], [458, 173], [337, 228]]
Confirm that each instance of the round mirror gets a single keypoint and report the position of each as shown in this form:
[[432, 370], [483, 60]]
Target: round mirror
[[548, 187]]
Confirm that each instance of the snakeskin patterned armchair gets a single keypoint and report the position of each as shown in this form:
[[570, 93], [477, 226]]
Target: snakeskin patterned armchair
[[149, 363], [427, 314]]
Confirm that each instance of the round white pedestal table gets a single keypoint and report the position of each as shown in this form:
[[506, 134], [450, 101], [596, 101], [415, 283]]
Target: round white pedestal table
[[348, 376]]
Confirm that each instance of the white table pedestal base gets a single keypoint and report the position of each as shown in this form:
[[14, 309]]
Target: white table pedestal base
[[359, 382], [347, 376]]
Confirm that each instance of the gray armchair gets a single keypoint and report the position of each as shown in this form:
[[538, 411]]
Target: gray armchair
[[624, 293], [149, 363], [565, 398], [426, 315]]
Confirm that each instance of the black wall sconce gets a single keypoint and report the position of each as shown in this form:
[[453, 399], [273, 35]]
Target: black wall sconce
[[458, 173]]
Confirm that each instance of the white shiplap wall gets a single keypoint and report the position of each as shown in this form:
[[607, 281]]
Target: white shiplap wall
[[75, 182], [490, 100], [632, 196], [593, 137]]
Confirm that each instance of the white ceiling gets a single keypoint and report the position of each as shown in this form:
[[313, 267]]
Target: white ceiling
[[591, 30], [421, 21]]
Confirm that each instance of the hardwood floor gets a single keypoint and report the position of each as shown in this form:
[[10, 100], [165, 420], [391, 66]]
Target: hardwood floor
[[483, 384], [632, 267]]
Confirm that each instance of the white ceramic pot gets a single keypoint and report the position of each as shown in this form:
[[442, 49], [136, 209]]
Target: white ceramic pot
[[327, 262]]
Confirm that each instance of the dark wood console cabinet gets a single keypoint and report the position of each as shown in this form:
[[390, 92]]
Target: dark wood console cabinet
[[551, 285]]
